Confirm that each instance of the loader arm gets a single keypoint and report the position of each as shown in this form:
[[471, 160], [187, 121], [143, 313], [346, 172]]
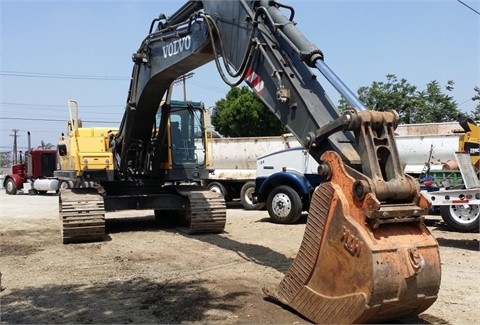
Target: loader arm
[[366, 255]]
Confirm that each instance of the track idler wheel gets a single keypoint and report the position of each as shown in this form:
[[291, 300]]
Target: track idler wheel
[[348, 272]]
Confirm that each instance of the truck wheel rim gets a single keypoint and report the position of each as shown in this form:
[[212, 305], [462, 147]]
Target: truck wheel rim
[[216, 189], [249, 195], [9, 186], [465, 213], [281, 205]]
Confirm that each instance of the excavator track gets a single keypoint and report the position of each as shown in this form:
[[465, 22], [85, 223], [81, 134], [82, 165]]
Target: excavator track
[[347, 271], [82, 214], [206, 212]]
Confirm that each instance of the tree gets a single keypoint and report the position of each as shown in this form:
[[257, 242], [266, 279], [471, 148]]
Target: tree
[[242, 114], [434, 106], [476, 112], [44, 145], [412, 105], [5, 158]]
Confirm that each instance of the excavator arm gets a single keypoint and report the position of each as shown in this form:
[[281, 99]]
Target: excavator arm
[[366, 255], [257, 44]]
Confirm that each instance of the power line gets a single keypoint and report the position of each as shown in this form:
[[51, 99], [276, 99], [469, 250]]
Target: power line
[[91, 77], [36, 131], [183, 79], [207, 86], [20, 111], [52, 120], [59, 76], [466, 101], [56, 105], [463, 3]]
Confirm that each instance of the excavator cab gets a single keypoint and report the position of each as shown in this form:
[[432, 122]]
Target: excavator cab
[[186, 139]]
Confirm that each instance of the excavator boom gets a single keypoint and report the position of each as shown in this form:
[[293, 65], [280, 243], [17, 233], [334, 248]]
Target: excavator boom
[[366, 255]]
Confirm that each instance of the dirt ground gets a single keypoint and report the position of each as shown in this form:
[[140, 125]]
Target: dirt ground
[[145, 274]]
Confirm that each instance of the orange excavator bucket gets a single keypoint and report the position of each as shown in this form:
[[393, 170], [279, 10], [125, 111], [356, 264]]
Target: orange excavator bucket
[[361, 260]]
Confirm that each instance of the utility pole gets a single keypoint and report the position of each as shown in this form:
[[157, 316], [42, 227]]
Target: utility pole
[[14, 135], [183, 78]]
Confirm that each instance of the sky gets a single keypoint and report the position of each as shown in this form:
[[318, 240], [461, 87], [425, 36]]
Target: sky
[[56, 50]]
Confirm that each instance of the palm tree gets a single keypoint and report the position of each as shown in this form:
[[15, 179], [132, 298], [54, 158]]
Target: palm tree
[[44, 145]]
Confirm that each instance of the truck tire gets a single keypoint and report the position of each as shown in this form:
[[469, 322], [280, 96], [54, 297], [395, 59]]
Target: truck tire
[[220, 189], [463, 217], [10, 187], [246, 197], [284, 205], [63, 185]]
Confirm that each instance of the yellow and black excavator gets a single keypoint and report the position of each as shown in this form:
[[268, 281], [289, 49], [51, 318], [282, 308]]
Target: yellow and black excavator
[[366, 255], [90, 181]]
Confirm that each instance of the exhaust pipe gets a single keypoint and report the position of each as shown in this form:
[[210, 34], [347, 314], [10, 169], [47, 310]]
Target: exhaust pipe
[[29, 141]]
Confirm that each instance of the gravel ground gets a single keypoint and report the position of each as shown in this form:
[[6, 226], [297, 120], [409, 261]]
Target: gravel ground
[[145, 274]]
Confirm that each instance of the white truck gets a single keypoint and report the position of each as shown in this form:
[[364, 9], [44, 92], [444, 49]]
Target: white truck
[[233, 164], [233, 161], [286, 179]]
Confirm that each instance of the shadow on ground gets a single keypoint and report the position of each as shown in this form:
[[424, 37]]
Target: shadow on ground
[[251, 252], [135, 301], [467, 244]]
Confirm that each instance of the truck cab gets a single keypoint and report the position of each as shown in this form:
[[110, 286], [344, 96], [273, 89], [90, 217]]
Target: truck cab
[[285, 181], [33, 174]]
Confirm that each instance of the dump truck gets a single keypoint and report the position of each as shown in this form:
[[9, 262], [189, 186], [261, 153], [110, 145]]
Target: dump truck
[[233, 165]]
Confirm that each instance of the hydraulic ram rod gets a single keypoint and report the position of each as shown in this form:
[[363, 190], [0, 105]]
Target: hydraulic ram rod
[[339, 85]]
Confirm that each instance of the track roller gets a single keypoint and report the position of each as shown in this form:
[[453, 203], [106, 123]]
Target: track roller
[[206, 210], [82, 214]]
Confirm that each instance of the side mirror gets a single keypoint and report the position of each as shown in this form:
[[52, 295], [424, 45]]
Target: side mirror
[[62, 149]]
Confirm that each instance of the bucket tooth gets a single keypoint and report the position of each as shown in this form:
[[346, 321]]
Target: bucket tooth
[[348, 272]]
